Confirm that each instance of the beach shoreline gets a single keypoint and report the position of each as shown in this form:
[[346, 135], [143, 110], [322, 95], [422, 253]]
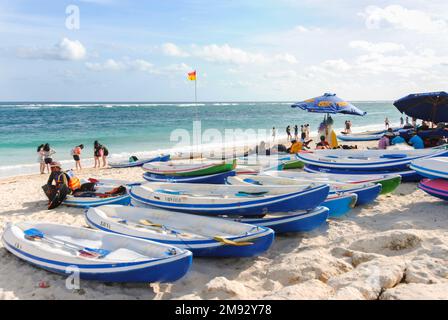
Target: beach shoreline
[[395, 248]]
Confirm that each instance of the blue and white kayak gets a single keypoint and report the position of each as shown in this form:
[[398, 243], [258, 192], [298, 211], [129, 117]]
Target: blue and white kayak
[[96, 255], [302, 221], [433, 168], [99, 197], [204, 236], [360, 137], [218, 178], [406, 175], [366, 192], [139, 163], [229, 200], [356, 160]]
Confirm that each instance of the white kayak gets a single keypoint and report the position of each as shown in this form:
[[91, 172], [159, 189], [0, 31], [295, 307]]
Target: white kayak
[[229, 200], [433, 168], [96, 255], [204, 236], [356, 160], [103, 194], [139, 162], [189, 168]]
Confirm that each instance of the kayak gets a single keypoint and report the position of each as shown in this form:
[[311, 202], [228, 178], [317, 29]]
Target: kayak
[[437, 188], [229, 200], [433, 168], [189, 169], [368, 159], [140, 162], [389, 182], [407, 175], [302, 221], [217, 178], [101, 196], [204, 236], [96, 255], [366, 192]]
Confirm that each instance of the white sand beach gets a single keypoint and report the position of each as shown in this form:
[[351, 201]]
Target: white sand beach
[[396, 248]]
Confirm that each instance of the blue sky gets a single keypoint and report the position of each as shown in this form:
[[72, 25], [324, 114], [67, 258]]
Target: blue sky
[[130, 50]]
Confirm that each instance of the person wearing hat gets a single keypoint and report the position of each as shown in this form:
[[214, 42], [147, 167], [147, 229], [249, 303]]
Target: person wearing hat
[[60, 177]]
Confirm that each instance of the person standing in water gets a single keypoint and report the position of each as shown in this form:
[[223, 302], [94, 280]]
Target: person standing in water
[[296, 132], [274, 133], [76, 153], [386, 123], [401, 122]]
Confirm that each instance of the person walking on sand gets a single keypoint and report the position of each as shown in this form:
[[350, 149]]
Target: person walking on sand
[[288, 132], [76, 153], [296, 132], [48, 153], [104, 155], [307, 131], [97, 154], [41, 158], [274, 133], [401, 122]]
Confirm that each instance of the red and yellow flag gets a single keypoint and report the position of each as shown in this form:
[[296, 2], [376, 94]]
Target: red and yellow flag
[[192, 76]]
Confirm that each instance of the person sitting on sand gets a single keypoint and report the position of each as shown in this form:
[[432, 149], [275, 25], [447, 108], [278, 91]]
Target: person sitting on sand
[[416, 141], [397, 140], [323, 144], [76, 153], [384, 142], [62, 178], [298, 146]]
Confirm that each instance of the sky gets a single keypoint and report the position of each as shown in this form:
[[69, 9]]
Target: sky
[[243, 50]]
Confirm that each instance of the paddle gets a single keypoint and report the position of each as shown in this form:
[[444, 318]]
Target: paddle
[[232, 243], [35, 234]]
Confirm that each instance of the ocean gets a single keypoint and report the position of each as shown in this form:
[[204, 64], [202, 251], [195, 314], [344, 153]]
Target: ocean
[[145, 128]]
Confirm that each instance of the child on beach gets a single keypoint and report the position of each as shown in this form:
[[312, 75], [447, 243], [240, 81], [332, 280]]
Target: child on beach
[[76, 153]]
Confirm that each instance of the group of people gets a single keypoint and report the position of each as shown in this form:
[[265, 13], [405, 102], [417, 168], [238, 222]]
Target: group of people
[[45, 156], [304, 133], [390, 139]]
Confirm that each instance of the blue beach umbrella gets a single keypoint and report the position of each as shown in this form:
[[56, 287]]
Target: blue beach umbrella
[[431, 106], [329, 103]]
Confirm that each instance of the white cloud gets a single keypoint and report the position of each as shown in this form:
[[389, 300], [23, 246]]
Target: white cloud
[[338, 65], [403, 18], [380, 47], [122, 65], [66, 49], [170, 49], [228, 54], [286, 57]]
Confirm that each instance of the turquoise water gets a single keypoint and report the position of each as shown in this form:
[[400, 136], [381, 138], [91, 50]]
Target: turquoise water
[[141, 127]]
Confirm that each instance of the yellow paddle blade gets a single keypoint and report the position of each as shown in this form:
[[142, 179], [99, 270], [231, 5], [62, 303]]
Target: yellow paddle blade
[[150, 224], [232, 243]]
